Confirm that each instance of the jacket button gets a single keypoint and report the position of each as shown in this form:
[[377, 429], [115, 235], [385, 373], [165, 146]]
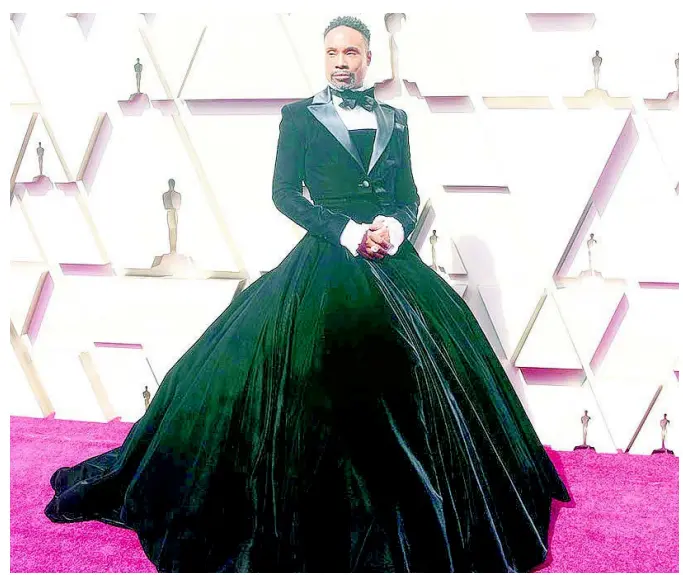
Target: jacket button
[[365, 184]]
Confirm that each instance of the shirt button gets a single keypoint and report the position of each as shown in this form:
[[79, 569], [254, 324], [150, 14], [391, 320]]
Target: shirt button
[[365, 184]]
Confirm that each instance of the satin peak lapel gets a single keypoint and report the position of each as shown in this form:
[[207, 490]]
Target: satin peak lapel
[[385, 127]]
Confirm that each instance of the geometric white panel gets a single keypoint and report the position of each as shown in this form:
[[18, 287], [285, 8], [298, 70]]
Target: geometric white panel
[[22, 247], [645, 346], [16, 128], [25, 283], [548, 344], [62, 228], [670, 401], [556, 412], [471, 158], [628, 67], [649, 254], [500, 62], [174, 39], [52, 167], [164, 355], [588, 313], [114, 44], [645, 69], [640, 225], [22, 402], [19, 88], [460, 288], [221, 71], [66, 383], [131, 199], [423, 59], [666, 132], [489, 231], [510, 310], [240, 171], [508, 62], [124, 374], [553, 163], [161, 314], [447, 255], [59, 58], [550, 157], [624, 402]]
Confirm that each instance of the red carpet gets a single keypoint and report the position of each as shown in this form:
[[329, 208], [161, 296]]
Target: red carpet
[[624, 517]]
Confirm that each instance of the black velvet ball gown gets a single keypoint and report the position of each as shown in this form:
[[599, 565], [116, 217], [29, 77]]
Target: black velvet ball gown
[[340, 415]]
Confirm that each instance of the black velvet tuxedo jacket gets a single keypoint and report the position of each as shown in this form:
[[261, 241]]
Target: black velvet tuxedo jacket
[[315, 148]]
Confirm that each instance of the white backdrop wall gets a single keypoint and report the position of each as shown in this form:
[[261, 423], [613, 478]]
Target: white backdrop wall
[[515, 164]]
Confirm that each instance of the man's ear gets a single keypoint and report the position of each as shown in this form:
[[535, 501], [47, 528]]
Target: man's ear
[[369, 57]]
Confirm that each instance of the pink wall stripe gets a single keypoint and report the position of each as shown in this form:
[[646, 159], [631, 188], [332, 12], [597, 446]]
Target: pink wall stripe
[[618, 159], [659, 285], [559, 22], [69, 189], [450, 104], [87, 269], [118, 345], [610, 333], [602, 192], [552, 376]]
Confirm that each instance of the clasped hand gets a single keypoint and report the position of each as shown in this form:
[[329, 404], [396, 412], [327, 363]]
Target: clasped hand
[[376, 241]]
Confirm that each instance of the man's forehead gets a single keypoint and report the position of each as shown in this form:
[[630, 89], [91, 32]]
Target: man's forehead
[[345, 37], [343, 45]]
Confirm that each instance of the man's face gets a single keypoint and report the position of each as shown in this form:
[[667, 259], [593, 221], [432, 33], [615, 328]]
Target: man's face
[[346, 57]]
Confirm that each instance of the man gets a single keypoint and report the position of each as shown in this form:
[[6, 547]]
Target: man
[[454, 477], [315, 132]]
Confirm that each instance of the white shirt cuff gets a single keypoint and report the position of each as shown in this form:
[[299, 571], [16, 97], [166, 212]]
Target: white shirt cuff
[[396, 233], [352, 236]]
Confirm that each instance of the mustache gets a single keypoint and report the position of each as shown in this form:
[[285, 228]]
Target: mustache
[[350, 80]]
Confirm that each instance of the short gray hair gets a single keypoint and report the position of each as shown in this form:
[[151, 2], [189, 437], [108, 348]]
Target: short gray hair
[[351, 22]]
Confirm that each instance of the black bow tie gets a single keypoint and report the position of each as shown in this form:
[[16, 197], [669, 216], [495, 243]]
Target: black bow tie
[[352, 98]]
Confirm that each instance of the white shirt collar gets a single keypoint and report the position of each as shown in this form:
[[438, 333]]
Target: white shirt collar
[[356, 118]]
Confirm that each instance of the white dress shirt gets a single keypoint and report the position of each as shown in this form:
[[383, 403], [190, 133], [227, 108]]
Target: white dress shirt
[[356, 119]]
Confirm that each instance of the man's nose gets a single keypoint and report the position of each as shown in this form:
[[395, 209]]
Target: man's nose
[[341, 61]]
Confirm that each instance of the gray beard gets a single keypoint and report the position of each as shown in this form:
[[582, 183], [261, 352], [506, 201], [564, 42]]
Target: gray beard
[[339, 86]]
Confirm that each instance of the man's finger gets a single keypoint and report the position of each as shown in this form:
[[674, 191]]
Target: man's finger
[[366, 252], [379, 239], [377, 249]]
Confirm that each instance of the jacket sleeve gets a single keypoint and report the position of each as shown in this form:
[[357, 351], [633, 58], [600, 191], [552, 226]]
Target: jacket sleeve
[[407, 198], [288, 177]]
